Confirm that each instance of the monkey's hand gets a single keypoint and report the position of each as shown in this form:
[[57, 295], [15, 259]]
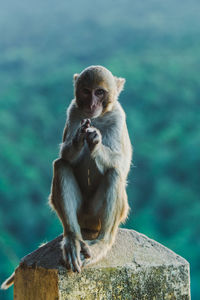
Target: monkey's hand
[[85, 123], [93, 138], [81, 132], [75, 251]]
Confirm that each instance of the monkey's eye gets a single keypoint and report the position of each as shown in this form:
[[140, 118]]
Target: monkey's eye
[[99, 92]]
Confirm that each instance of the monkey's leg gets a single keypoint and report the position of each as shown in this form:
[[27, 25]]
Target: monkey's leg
[[110, 203], [66, 199]]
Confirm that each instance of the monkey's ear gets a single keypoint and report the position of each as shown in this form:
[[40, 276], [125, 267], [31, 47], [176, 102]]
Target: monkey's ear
[[75, 77], [120, 83]]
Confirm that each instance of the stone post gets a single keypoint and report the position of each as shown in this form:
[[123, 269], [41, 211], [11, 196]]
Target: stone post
[[135, 268]]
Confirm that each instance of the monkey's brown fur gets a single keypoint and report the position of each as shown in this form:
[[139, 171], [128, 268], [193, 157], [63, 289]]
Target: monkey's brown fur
[[89, 179]]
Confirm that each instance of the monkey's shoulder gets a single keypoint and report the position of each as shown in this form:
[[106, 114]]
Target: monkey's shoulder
[[73, 112]]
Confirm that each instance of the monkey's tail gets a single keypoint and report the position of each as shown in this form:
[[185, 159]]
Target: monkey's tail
[[8, 282]]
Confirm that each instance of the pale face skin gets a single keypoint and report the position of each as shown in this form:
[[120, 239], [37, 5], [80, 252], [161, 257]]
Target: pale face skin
[[92, 100]]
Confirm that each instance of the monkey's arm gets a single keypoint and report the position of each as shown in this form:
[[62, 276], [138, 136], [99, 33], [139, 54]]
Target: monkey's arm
[[110, 144], [72, 145], [70, 150], [107, 150], [106, 158]]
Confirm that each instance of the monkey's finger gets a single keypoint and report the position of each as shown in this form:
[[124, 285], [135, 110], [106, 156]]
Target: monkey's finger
[[79, 259], [82, 256], [90, 130], [76, 266], [68, 261], [66, 257], [77, 256], [71, 262], [93, 137], [83, 121], [90, 135], [86, 122], [85, 127], [85, 250]]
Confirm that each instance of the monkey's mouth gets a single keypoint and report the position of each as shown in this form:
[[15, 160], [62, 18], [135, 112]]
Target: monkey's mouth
[[93, 114]]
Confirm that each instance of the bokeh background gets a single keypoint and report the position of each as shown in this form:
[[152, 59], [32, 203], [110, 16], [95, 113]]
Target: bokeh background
[[155, 45]]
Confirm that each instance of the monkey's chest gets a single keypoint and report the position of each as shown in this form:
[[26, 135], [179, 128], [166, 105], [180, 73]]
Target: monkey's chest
[[87, 175]]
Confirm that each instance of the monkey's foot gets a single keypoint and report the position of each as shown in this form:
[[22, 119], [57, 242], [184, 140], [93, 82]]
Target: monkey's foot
[[73, 252], [98, 250]]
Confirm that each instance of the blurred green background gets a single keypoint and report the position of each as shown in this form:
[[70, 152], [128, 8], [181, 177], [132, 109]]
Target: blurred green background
[[155, 45]]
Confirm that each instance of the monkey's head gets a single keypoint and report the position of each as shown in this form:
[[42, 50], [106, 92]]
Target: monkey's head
[[96, 90]]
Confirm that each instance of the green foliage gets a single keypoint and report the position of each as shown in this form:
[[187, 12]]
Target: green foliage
[[155, 45]]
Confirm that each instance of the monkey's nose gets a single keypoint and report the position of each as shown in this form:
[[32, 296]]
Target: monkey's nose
[[92, 107]]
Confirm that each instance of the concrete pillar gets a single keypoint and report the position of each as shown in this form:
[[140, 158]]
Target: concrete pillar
[[135, 268]]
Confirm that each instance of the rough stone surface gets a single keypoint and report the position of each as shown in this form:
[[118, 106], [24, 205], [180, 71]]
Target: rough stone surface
[[135, 268]]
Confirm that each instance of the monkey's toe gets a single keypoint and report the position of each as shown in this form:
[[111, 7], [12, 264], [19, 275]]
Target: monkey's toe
[[71, 253], [73, 262]]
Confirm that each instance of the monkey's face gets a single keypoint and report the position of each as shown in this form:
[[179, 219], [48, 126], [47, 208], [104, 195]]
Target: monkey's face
[[95, 91], [91, 100]]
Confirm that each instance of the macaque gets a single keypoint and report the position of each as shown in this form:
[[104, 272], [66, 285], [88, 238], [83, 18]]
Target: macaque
[[88, 189], [89, 183]]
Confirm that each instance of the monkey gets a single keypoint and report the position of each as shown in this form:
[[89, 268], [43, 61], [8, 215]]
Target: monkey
[[88, 190], [89, 183]]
